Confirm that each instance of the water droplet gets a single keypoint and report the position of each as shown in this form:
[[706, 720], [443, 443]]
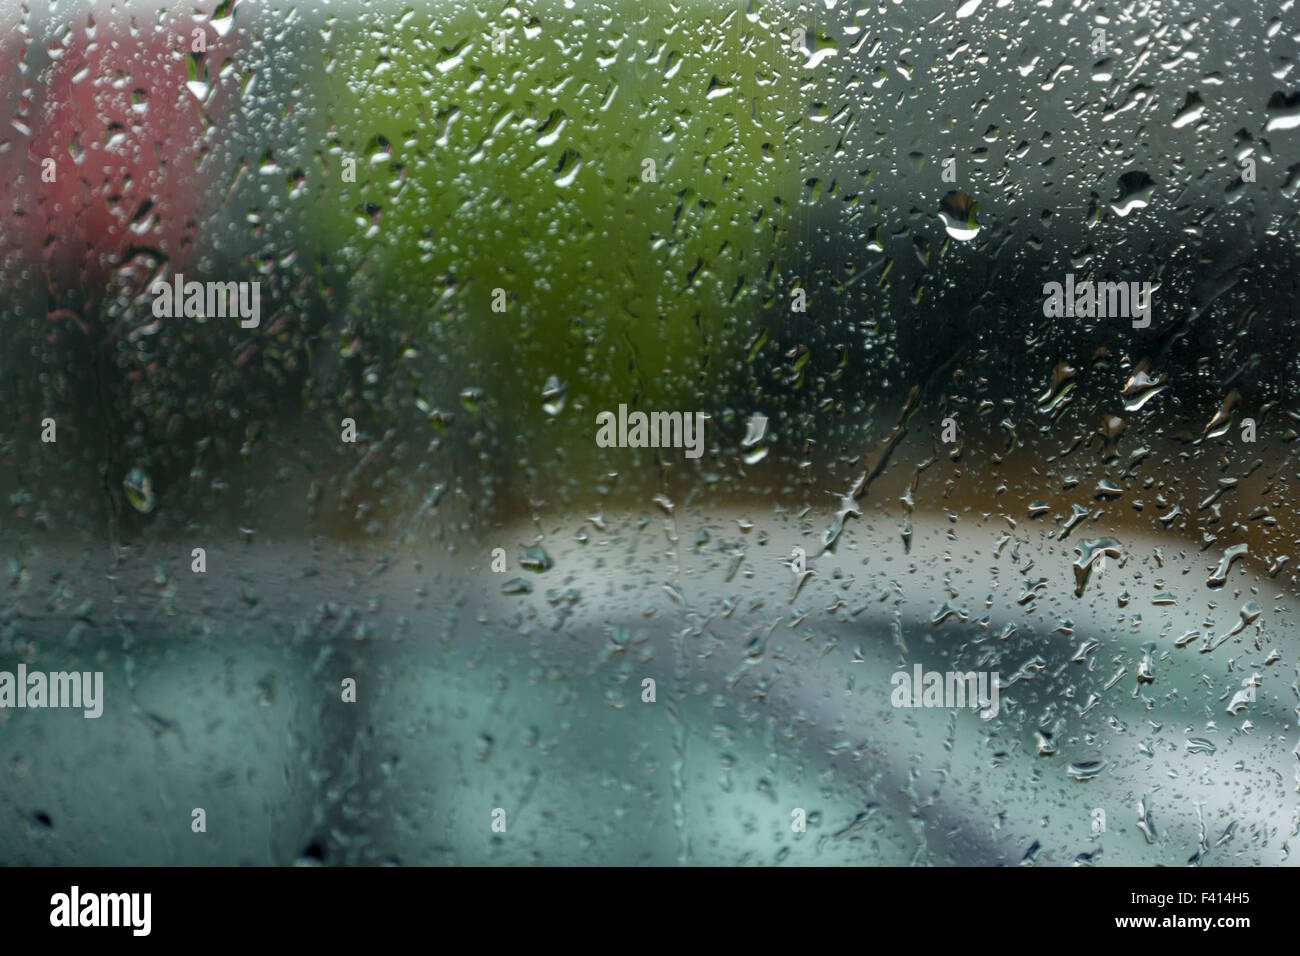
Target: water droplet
[[1193, 109], [536, 559], [1284, 112], [553, 396], [958, 212], [1141, 388], [223, 18], [1219, 576], [1058, 388], [755, 429], [1145, 823], [1135, 190], [139, 490], [1088, 552], [1086, 769]]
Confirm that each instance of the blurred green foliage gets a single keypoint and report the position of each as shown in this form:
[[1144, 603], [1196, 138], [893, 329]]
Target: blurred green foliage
[[513, 151]]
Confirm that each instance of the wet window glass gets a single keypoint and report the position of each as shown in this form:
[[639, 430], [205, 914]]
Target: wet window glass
[[709, 433]]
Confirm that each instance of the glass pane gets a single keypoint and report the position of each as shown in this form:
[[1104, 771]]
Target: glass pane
[[641, 433]]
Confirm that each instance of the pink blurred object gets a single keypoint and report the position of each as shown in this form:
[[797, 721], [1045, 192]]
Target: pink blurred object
[[108, 158]]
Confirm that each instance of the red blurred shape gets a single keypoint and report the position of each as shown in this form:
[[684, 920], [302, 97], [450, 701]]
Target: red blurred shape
[[128, 136]]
